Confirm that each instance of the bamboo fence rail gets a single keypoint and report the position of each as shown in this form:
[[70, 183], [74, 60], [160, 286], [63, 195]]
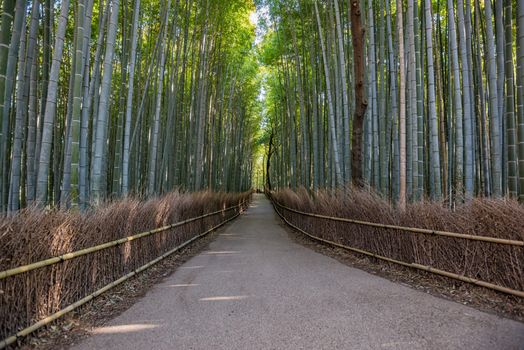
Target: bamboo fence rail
[[54, 260], [409, 229]]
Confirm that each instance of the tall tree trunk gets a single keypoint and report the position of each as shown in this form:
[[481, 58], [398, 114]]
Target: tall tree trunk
[[8, 13], [373, 130], [22, 101], [486, 176], [459, 141], [393, 122], [31, 135], [16, 144], [468, 108], [303, 117], [412, 111], [100, 152], [129, 105], [345, 96], [50, 109], [496, 153], [200, 111], [317, 166], [499, 26], [402, 108], [334, 142], [156, 122], [89, 87], [511, 137], [10, 75], [81, 48], [418, 37], [520, 94], [436, 187], [358, 36]]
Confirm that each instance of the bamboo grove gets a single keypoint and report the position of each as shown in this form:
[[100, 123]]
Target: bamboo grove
[[107, 98], [443, 86]]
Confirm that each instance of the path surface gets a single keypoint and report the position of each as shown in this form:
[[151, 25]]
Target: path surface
[[254, 288]]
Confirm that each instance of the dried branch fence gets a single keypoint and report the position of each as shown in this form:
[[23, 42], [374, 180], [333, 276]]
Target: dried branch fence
[[51, 267], [495, 262]]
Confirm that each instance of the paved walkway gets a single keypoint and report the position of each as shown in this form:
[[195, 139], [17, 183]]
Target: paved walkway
[[256, 289]]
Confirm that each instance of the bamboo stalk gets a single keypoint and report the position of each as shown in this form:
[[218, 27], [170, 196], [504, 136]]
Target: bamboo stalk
[[26, 331], [496, 287], [75, 254], [411, 229]]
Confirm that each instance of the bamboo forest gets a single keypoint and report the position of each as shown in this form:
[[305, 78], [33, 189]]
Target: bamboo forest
[[417, 99], [102, 99], [261, 174]]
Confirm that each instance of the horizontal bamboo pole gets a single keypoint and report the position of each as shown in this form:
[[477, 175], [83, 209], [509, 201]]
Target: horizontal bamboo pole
[[410, 229], [26, 331], [75, 254], [496, 287]]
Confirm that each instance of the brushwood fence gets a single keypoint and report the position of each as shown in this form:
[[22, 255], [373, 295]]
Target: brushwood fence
[[491, 262], [68, 259]]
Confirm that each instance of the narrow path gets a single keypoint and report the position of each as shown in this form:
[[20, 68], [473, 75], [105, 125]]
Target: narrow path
[[256, 289]]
